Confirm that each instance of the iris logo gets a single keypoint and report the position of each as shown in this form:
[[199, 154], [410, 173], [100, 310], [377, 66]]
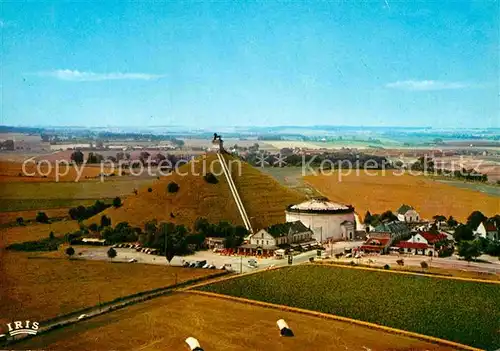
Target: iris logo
[[22, 327]]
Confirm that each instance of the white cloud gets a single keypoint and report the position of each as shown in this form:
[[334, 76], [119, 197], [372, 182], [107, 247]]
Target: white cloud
[[426, 85], [77, 76]]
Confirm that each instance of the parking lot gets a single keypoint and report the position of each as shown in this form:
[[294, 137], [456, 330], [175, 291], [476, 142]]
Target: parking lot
[[237, 263]]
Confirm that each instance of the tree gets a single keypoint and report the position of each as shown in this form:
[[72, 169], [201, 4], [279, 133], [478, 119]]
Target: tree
[[77, 157], [42, 217], [70, 252], [424, 265], [463, 233], [51, 236], [20, 220], [111, 253], [475, 219], [93, 227], [368, 218], [439, 218], [469, 250], [210, 178], [117, 202], [105, 221], [451, 222], [150, 190], [172, 187], [388, 216]]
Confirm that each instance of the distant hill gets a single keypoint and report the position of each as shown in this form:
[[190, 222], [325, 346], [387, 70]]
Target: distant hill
[[263, 197]]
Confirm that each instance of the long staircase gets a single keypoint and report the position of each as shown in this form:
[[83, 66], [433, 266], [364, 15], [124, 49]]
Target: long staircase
[[235, 193]]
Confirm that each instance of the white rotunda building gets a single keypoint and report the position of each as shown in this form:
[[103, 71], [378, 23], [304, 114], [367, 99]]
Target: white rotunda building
[[329, 221]]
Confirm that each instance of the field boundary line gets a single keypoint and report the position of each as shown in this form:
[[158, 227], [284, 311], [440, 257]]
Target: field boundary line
[[370, 325], [227, 277], [472, 280]]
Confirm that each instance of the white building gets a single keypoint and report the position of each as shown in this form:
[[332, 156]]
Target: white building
[[327, 220], [266, 241], [407, 214], [487, 231]]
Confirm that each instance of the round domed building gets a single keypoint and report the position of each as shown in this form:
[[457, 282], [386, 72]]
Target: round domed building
[[329, 221]]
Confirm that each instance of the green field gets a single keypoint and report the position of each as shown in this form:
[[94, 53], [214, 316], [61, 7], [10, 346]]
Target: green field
[[464, 312]]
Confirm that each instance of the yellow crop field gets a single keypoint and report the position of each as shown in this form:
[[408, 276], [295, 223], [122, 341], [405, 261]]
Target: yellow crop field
[[218, 324], [381, 192], [35, 231], [39, 287], [14, 172]]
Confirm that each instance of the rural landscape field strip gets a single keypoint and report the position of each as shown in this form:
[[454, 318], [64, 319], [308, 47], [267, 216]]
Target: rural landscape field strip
[[459, 311], [164, 323], [381, 192], [39, 288], [432, 339]]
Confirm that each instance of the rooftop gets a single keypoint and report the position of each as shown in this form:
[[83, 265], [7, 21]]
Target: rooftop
[[283, 229], [322, 205]]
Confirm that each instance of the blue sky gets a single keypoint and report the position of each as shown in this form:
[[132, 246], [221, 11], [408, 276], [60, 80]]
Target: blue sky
[[374, 63]]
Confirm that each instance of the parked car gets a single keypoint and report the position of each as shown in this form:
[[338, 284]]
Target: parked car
[[192, 265], [185, 264], [132, 260], [252, 262], [200, 264]]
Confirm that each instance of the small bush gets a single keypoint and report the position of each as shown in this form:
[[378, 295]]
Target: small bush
[[150, 190], [172, 187], [387, 266], [210, 178], [20, 220], [117, 202], [42, 217]]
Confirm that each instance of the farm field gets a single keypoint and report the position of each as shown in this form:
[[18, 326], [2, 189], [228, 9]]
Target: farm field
[[13, 172], [387, 192], [218, 325], [459, 311], [29, 215], [263, 197], [38, 287], [73, 190], [35, 231]]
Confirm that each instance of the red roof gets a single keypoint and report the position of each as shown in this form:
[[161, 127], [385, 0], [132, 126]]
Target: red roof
[[371, 247], [408, 245], [490, 227], [376, 241], [433, 238]]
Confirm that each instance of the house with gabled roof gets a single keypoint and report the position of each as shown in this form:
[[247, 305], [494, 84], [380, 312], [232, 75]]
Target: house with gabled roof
[[487, 230], [408, 214]]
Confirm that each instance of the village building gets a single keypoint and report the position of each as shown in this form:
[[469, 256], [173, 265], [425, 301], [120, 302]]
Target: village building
[[214, 243], [427, 238], [487, 230], [407, 214], [329, 221], [376, 242], [266, 241], [395, 228]]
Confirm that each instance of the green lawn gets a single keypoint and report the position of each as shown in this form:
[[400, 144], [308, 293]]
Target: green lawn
[[464, 312]]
